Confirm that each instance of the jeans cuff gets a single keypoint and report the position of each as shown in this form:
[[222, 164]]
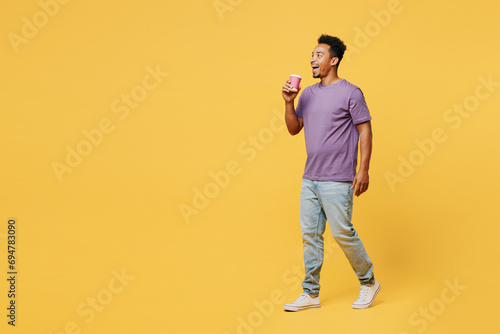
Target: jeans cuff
[[312, 295], [369, 282]]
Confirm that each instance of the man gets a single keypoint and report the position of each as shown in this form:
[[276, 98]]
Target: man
[[335, 117]]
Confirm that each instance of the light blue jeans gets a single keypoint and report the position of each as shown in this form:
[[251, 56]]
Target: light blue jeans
[[321, 201]]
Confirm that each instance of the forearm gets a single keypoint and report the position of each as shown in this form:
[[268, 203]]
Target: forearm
[[365, 148], [291, 119]]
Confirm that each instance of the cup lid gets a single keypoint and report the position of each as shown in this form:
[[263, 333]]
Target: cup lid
[[295, 75]]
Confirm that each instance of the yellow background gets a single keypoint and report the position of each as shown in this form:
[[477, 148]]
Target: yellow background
[[119, 209]]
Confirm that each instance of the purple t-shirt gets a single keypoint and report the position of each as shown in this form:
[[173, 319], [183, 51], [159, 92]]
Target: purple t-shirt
[[330, 114]]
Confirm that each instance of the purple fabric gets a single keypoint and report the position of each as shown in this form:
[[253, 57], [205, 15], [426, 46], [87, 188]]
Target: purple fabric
[[330, 114]]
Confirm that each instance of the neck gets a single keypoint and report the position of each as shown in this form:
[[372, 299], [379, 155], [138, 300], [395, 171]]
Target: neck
[[330, 78]]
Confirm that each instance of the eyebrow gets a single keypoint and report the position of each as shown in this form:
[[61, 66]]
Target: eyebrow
[[317, 52]]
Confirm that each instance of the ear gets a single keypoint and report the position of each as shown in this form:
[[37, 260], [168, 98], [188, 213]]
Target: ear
[[334, 61]]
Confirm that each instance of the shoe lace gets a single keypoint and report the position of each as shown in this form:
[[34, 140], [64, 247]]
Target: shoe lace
[[302, 297], [363, 292]]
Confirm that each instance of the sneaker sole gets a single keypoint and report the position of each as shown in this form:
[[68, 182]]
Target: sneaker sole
[[370, 303], [300, 308]]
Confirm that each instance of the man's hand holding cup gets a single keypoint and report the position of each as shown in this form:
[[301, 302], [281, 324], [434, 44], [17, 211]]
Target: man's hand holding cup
[[291, 88]]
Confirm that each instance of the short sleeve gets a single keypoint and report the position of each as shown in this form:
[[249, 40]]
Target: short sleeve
[[300, 105], [358, 108]]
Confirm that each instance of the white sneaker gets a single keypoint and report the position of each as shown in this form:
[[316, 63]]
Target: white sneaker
[[305, 301], [367, 295]]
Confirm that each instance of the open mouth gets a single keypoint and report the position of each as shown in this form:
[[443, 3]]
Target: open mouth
[[315, 68]]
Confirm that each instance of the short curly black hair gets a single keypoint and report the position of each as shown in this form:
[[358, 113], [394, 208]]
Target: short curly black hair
[[337, 47]]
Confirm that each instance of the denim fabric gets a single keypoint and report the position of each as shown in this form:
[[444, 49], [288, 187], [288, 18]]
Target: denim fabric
[[327, 200]]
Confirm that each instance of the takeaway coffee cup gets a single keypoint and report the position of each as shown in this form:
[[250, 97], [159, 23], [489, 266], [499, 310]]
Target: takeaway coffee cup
[[295, 82]]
